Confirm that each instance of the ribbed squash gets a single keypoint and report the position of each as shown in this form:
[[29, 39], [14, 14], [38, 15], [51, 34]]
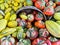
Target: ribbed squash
[[3, 24], [7, 40], [53, 28]]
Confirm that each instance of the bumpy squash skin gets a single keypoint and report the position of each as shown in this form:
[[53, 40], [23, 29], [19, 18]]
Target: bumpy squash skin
[[53, 28]]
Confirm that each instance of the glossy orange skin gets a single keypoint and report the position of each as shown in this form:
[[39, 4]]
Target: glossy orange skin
[[39, 24]]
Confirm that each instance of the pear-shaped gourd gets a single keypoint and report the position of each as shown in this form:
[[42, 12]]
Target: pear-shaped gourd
[[13, 17], [7, 16], [12, 24]]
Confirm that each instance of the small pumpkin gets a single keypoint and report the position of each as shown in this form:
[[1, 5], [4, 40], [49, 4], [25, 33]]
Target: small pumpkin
[[38, 17], [21, 34], [7, 40], [43, 33], [39, 24], [22, 23], [32, 33], [24, 42], [30, 17]]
